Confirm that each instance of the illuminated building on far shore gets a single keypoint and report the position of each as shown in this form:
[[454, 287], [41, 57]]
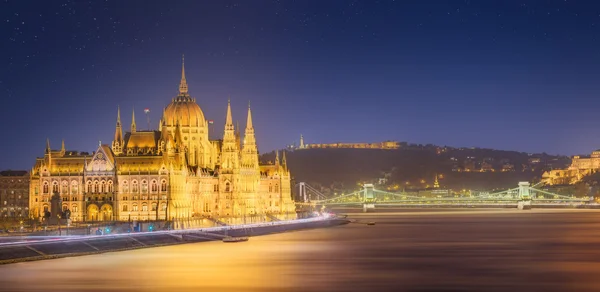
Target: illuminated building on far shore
[[390, 145], [580, 167], [172, 173]]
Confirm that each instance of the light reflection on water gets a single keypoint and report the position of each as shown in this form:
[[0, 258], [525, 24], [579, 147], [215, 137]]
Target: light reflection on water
[[445, 251]]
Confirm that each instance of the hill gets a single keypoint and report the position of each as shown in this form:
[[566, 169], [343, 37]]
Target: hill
[[416, 166]]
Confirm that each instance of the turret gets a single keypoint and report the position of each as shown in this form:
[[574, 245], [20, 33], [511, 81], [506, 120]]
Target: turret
[[62, 147], [249, 149], [183, 87], [229, 148], [117, 144], [133, 127], [284, 162]]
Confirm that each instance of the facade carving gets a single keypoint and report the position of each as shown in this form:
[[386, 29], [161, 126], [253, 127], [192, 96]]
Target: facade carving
[[171, 173]]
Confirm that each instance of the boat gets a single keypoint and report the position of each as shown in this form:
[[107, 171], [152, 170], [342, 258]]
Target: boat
[[370, 223], [235, 239]]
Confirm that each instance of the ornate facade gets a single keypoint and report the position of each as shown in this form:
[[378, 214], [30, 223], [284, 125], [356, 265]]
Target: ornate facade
[[173, 173]]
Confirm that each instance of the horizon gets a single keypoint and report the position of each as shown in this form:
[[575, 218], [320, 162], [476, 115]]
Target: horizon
[[456, 73]]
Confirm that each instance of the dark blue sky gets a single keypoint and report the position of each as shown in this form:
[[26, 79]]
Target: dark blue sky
[[500, 74]]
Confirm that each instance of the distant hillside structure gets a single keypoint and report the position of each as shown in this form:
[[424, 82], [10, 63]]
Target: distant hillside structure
[[580, 167], [390, 145]]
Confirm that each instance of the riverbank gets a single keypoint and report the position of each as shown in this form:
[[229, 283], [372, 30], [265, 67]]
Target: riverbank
[[32, 249]]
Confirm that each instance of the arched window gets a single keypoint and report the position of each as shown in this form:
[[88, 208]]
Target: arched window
[[110, 186], [276, 188], [95, 187], [45, 187], [163, 185], [103, 187], [270, 188], [125, 187], [154, 187], [124, 208], [74, 189], [54, 187], [135, 207], [227, 187], [144, 208], [154, 206], [134, 186], [74, 208], [65, 187], [163, 207], [144, 186], [64, 208]]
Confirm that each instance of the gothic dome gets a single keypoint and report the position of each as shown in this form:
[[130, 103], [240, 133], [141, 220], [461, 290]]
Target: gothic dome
[[185, 110]]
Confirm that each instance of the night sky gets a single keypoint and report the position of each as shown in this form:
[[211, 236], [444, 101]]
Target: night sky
[[499, 74]]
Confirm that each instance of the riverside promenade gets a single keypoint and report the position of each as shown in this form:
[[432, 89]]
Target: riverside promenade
[[30, 248]]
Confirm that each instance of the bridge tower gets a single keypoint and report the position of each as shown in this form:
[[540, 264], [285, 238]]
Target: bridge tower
[[524, 196], [302, 192], [368, 197]]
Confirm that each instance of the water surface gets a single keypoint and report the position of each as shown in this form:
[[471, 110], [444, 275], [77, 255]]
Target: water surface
[[492, 250]]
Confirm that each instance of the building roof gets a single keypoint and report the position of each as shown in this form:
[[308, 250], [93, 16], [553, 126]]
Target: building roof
[[13, 173]]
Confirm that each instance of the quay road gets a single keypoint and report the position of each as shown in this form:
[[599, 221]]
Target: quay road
[[446, 250], [27, 248]]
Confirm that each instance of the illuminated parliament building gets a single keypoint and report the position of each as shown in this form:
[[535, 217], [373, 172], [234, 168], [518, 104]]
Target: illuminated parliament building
[[173, 173]]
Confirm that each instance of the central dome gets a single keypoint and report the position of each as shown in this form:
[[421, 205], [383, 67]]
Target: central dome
[[185, 110]]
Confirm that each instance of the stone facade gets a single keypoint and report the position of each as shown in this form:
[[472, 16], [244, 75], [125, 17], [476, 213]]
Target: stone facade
[[14, 194], [172, 173]]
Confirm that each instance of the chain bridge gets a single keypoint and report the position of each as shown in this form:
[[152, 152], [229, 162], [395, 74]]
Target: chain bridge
[[524, 196]]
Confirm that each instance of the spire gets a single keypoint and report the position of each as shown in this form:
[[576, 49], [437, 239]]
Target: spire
[[118, 128], [133, 127], [178, 139], [436, 184], [229, 120], [183, 87], [249, 121], [62, 146], [276, 157], [301, 141], [47, 145], [284, 161], [118, 116]]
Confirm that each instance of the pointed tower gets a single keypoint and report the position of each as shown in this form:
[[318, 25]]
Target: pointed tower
[[133, 127], [277, 157], [249, 149], [48, 153], [229, 150], [117, 144], [238, 139], [62, 147], [301, 142], [183, 87], [284, 162], [436, 184]]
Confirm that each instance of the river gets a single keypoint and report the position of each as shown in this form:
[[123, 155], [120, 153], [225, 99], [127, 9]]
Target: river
[[491, 250]]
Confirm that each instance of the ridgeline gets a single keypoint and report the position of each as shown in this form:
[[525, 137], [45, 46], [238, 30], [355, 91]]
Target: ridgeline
[[415, 167]]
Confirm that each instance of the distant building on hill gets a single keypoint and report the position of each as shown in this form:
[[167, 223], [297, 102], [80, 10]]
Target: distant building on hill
[[378, 145], [580, 166]]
